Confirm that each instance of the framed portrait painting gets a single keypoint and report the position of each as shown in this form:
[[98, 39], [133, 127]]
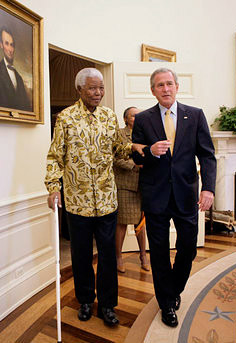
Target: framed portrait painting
[[21, 64], [153, 54]]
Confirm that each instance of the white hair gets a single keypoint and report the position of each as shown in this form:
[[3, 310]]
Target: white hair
[[82, 75]]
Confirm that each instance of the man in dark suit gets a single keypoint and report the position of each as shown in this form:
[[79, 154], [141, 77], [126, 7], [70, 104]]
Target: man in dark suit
[[169, 185], [12, 90]]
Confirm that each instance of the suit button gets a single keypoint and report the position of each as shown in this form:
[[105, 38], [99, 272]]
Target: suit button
[[170, 180]]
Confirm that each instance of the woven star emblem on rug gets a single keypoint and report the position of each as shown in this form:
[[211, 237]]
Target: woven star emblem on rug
[[217, 313]]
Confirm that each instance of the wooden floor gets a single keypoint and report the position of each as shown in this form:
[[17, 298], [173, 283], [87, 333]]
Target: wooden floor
[[35, 320]]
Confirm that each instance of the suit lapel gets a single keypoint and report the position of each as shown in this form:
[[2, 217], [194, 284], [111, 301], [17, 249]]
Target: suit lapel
[[182, 123], [156, 123], [5, 76]]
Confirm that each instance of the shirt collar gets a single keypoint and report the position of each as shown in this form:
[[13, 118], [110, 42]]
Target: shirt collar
[[7, 63], [173, 108], [84, 109]]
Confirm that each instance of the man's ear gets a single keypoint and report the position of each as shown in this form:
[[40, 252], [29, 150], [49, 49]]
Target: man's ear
[[1, 46], [79, 89]]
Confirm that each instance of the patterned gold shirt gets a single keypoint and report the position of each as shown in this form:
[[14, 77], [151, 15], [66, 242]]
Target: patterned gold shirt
[[82, 151]]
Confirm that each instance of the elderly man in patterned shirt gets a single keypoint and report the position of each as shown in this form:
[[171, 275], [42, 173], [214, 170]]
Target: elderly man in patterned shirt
[[86, 138]]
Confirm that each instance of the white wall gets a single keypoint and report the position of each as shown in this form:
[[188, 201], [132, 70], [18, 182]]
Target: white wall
[[200, 31]]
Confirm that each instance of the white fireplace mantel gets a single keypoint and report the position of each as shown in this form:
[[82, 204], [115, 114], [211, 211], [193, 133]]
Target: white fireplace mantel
[[224, 142], [225, 150]]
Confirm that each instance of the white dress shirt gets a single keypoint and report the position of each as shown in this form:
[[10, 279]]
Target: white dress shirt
[[173, 114], [11, 73]]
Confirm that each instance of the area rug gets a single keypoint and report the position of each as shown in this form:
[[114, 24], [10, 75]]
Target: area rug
[[208, 309]]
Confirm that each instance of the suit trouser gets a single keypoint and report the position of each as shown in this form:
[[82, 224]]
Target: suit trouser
[[82, 230], [169, 281]]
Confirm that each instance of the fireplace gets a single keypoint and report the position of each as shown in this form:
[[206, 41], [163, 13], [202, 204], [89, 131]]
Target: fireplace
[[225, 148]]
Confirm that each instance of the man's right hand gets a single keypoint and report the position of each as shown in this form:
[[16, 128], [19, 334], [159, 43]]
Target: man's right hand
[[160, 148], [51, 200]]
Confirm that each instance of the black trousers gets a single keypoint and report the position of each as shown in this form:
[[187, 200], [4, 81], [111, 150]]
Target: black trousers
[[169, 281], [82, 230]]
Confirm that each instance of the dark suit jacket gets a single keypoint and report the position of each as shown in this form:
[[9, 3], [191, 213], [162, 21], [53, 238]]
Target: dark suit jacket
[[9, 96], [177, 173]]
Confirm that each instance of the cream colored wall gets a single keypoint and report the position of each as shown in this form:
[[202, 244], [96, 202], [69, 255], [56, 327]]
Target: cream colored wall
[[200, 31]]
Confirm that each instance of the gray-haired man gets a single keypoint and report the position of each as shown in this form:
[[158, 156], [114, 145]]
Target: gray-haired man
[[86, 138]]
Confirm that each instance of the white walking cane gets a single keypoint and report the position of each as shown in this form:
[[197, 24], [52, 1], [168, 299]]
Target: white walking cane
[[58, 274]]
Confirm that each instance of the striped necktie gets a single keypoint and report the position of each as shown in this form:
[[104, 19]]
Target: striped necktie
[[170, 129]]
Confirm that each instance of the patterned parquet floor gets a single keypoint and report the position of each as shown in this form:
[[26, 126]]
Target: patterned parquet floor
[[35, 320]]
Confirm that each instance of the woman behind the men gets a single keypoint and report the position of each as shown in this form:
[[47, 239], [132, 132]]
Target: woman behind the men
[[129, 201]]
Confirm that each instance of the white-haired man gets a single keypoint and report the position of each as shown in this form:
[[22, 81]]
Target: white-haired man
[[86, 137]]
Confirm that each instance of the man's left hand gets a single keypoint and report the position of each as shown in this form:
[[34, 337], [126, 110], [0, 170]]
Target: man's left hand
[[139, 148], [205, 200]]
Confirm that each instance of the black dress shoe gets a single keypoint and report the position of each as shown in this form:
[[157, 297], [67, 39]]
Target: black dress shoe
[[108, 315], [177, 302], [85, 312], [169, 317]]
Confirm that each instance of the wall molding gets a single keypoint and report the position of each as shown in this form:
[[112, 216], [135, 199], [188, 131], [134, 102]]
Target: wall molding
[[137, 86], [27, 263], [25, 296], [22, 197], [24, 261]]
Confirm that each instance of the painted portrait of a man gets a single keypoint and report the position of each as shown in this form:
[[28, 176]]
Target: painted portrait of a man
[[16, 71]]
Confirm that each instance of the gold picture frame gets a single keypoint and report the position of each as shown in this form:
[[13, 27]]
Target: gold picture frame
[[21, 64], [153, 54]]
